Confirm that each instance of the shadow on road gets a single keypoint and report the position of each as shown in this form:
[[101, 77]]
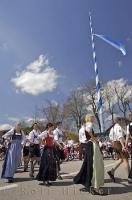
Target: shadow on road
[[25, 179], [62, 183], [118, 190], [118, 180]]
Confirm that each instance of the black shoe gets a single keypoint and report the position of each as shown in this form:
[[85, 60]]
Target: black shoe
[[25, 169], [31, 175], [59, 177], [111, 175], [48, 184], [130, 180], [10, 180], [85, 190], [100, 192], [42, 183]]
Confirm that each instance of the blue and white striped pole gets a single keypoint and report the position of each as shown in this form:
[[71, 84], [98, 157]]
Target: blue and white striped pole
[[97, 76]]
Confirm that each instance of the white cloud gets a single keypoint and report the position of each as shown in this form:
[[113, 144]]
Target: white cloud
[[13, 119], [37, 78], [29, 120], [5, 127]]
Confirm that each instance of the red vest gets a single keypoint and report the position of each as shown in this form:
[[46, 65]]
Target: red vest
[[49, 141]]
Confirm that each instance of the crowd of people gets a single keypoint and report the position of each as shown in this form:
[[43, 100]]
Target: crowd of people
[[119, 146], [38, 147], [48, 150]]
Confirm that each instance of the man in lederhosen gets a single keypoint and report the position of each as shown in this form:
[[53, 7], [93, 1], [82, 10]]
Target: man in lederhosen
[[34, 148], [129, 137], [58, 137], [117, 137]]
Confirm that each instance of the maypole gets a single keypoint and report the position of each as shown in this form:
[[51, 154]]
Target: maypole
[[98, 88]]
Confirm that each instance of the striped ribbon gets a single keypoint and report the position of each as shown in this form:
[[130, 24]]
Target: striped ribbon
[[98, 88]]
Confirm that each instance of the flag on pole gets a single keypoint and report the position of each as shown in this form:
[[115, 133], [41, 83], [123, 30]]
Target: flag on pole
[[112, 42], [98, 88]]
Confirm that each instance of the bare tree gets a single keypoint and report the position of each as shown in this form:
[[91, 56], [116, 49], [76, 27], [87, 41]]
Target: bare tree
[[117, 95], [75, 107], [110, 99], [91, 100], [52, 112], [124, 95]]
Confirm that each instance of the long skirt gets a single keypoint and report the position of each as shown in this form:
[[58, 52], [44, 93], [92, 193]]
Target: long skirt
[[98, 167], [12, 159], [92, 170], [84, 177], [48, 165]]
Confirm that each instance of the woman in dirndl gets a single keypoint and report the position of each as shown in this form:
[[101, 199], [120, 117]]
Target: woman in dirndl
[[48, 164], [13, 155], [91, 174]]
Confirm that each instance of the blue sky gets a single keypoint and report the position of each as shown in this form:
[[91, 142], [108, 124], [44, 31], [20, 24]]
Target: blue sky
[[45, 49]]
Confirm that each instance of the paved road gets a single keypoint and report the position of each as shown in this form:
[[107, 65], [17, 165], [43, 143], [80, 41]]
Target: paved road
[[25, 188]]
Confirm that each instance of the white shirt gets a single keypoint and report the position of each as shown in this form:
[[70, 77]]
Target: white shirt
[[44, 134], [100, 144], [26, 142], [70, 143], [89, 126], [82, 135], [116, 133], [58, 135], [128, 132], [109, 144], [34, 136]]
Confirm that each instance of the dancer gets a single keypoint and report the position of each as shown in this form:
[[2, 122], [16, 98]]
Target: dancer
[[82, 140], [26, 153], [129, 137], [58, 137], [91, 174], [13, 155], [34, 148], [48, 164], [117, 137]]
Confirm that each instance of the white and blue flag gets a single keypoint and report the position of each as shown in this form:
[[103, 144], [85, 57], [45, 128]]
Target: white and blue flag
[[112, 42]]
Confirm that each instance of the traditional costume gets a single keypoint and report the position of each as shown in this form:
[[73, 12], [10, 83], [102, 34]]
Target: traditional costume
[[82, 141], [117, 136], [26, 153], [34, 149], [129, 134], [13, 155], [92, 170], [48, 164]]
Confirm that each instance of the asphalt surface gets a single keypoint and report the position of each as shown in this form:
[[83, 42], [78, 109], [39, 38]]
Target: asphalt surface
[[25, 188]]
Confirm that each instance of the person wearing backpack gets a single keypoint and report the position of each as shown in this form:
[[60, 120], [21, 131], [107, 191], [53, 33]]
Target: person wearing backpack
[[129, 137], [117, 137]]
